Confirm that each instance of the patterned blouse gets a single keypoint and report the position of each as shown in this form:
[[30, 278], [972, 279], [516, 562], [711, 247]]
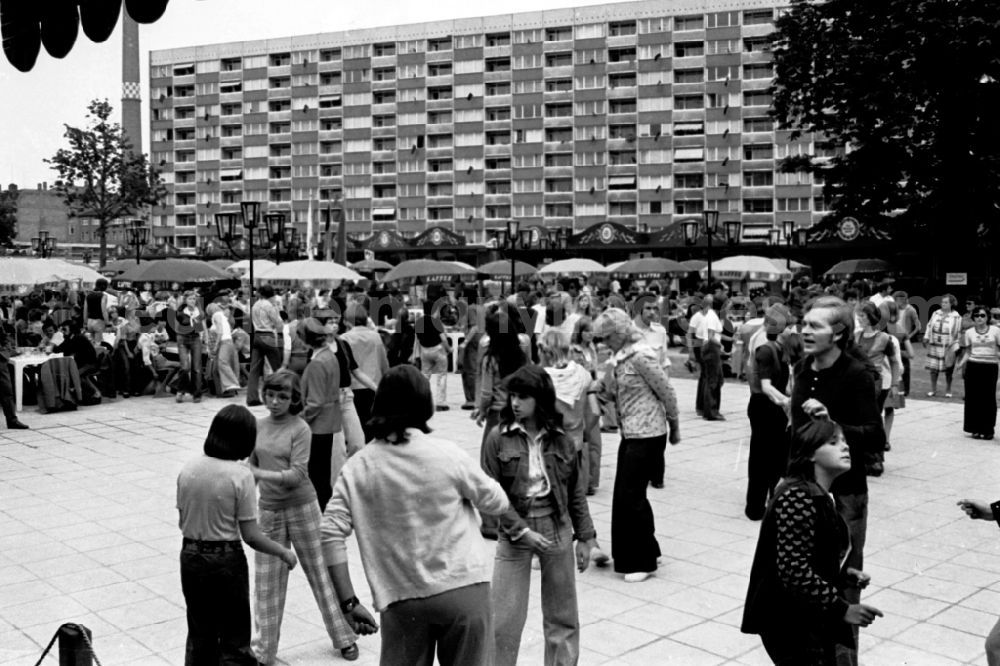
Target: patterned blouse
[[982, 347], [642, 392]]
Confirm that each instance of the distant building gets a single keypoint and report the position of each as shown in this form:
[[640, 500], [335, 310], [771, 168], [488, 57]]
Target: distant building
[[639, 114]]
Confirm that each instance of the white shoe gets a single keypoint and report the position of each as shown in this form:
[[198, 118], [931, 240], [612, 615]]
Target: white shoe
[[637, 577]]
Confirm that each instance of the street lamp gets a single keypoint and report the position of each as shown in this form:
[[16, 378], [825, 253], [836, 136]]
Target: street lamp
[[709, 226], [43, 244], [790, 236], [138, 236], [510, 240], [273, 232]]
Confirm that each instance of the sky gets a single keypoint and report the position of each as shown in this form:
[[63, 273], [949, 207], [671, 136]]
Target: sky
[[34, 107]]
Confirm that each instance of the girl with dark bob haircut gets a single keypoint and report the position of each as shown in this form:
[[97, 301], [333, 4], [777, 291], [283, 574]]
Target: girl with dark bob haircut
[[232, 434], [217, 508], [288, 381], [403, 400]]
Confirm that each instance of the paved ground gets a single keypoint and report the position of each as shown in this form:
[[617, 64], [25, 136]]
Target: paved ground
[[88, 534]]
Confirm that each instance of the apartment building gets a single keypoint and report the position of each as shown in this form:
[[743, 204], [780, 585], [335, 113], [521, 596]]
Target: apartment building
[[638, 113]]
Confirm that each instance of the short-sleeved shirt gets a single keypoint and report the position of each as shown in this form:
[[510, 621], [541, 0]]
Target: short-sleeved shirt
[[983, 347], [709, 322], [213, 496], [768, 364]]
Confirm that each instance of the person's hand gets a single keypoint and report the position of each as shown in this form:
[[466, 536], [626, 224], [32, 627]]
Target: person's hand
[[535, 541], [583, 549], [976, 509], [815, 409], [288, 557], [858, 579], [361, 621], [861, 614], [479, 417]]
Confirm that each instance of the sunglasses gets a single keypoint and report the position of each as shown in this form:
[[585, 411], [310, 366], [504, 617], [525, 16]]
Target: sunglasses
[[981, 315]]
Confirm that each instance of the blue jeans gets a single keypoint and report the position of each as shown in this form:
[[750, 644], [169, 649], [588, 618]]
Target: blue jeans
[[511, 581], [189, 351]]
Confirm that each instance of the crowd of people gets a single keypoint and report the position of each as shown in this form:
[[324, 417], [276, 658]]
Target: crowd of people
[[350, 380]]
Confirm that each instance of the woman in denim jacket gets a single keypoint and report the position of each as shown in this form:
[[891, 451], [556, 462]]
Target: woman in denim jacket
[[536, 464]]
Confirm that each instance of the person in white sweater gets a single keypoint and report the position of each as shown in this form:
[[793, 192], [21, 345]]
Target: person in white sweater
[[411, 500]]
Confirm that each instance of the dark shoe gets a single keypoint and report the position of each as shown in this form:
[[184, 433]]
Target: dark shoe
[[888, 446], [468, 406], [609, 429], [658, 485], [228, 394], [591, 492], [351, 652], [976, 435], [875, 469], [753, 515], [197, 398], [254, 403], [714, 417], [126, 394], [442, 408], [17, 425]]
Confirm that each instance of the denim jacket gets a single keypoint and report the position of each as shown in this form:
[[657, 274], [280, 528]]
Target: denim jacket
[[505, 458]]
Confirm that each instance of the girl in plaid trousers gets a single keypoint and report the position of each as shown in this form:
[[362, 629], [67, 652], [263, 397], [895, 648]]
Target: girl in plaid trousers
[[289, 513]]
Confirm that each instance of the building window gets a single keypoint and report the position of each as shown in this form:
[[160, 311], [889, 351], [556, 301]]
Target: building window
[[758, 205], [560, 59], [558, 34], [501, 138], [559, 210], [622, 55], [621, 208], [621, 182], [281, 172], [497, 88], [689, 181], [758, 16], [231, 64], [689, 75], [498, 39], [695, 22], [758, 151], [440, 44], [621, 106], [280, 59], [383, 97], [497, 113], [689, 49], [439, 69], [757, 98], [689, 207], [621, 157], [498, 64], [439, 213], [621, 28], [558, 85], [384, 49], [439, 165], [384, 74], [560, 110], [494, 163], [622, 80], [756, 44], [723, 19], [758, 125], [758, 178], [625, 131], [558, 184], [560, 134], [689, 154]]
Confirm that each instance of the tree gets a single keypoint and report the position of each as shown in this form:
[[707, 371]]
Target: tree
[[910, 88], [100, 176], [8, 214]]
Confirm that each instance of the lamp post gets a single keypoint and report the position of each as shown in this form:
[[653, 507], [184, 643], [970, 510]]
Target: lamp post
[[225, 227], [790, 236], [138, 237], [709, 225], [43, 244], [513, 236], [273, 231]]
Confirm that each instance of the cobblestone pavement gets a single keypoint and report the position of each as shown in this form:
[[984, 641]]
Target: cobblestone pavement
[[88, 533]]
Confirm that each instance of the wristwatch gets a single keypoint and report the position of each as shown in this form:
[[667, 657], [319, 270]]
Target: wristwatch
[[347, 605]]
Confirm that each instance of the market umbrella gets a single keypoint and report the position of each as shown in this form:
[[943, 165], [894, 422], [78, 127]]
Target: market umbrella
[[241, 267], [308, 270], [500, 269], [27, 271], [428, 270], [221, 263], [648, 268], [853, 266], [694, 265], [117, 266], [746, 267], [70, 272], [577, 265], [611, 268], [371, 265], [174, 270]]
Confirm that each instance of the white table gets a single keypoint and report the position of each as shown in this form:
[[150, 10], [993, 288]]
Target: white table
[[21, 362]]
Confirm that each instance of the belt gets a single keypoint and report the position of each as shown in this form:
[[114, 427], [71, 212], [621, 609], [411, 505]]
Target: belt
[[212, 546]]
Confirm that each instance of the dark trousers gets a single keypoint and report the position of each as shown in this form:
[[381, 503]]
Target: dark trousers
[[216, 588], [7, 390], [768, 457], [658, 464], [458, 623], [800, 648], [363, 399], [699, 395], [980, 398], [320, 456], [265, 346], [121, 366], [633, 542], [905, 379]]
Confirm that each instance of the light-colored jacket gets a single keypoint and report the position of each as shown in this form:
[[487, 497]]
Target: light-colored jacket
[[643, 394], [369, 352]]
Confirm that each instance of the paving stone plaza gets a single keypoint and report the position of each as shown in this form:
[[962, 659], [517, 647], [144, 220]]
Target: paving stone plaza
[[88, 534]]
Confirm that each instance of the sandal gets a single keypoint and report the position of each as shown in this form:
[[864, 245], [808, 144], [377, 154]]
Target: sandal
[[351, 652]]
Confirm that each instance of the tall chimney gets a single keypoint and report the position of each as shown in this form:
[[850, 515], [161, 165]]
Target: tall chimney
[[131, 87]]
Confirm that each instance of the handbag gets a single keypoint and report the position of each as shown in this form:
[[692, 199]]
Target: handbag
[[949, 358]]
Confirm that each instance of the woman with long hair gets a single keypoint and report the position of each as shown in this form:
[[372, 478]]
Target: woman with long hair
[[535, 462], [883, 352], [289, 515], [979, 363], [796, 599], [411, 500], [190, 321]]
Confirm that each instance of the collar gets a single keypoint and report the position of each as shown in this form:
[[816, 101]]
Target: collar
[[623, 354], [517, 428]]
